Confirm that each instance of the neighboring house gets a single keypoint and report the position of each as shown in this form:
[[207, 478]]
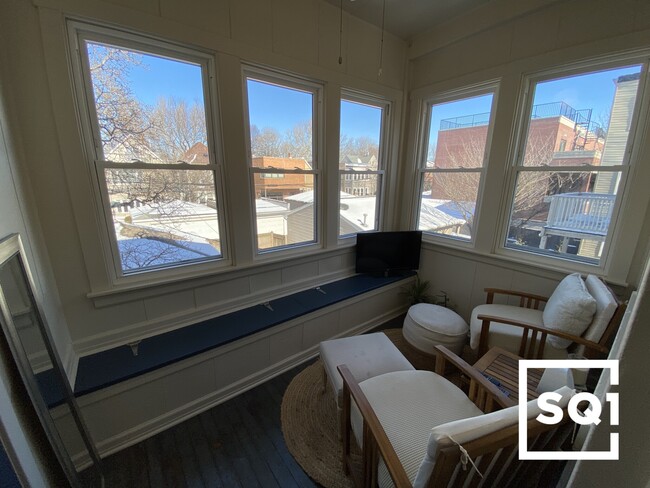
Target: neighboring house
[[359, 184], [175, 220], [271, 222], [357, 214], [131, 150], [582, 219], [441, 216], [559, 135], [197, 154], [279, 186]]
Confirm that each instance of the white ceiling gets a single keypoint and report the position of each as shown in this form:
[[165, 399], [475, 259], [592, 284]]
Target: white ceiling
[[407, 18]]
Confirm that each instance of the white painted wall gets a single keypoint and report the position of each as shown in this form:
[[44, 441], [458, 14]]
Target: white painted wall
[[299, 36], [529, 37], [294, 35], [13, 220], [470, 50], [126, 413]]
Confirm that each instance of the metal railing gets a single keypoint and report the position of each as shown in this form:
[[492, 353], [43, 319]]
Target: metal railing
[[540, 111], [581, 212], [557, 109], [465, 121]]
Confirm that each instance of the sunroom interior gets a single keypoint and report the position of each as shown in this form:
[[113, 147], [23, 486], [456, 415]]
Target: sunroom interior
[[537, 86]]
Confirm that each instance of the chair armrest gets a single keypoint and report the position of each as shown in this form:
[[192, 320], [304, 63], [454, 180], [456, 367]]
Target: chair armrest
[[374, 428], [527, 300], [482, 392], [530, 352]]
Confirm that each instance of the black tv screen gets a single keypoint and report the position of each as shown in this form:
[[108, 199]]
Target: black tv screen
[[388, 252]]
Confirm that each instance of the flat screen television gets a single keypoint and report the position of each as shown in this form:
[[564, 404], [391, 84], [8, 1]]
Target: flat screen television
[[388, 253]]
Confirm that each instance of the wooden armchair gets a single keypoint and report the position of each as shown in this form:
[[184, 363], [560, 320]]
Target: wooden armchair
[[522, 329], [391, 417]]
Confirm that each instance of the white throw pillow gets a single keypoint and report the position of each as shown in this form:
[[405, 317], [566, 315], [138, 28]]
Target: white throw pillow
[[570, 309]]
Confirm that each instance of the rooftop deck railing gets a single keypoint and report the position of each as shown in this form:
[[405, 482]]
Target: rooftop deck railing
[[540, 111], [588, 213]]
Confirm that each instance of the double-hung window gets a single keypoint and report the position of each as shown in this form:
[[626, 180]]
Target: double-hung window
[[283, 127], [453, 156], [572, 163], [361, 163], [150, 129]]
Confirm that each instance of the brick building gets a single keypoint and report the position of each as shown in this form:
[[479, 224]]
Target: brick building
[[278, 185]]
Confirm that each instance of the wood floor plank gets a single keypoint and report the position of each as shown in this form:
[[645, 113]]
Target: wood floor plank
[[238, 444], [271, 425], [223, 462], [173, 473], [232, 447], [189, 461], [250, 412], [257, 462], [202, 452], [152, 447]]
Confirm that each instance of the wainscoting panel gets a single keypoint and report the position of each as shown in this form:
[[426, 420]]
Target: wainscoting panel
[[128, 412]]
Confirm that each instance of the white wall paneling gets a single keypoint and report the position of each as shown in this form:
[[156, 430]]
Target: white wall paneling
[[130, 411]]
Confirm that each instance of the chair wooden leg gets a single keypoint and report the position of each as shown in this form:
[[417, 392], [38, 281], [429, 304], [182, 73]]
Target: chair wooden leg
[[346, 426]]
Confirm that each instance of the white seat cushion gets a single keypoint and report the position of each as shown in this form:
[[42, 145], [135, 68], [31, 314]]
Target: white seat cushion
[[427, 326], [466, 430], [569, 309], [365, 356], [506, 336], [408, 404]]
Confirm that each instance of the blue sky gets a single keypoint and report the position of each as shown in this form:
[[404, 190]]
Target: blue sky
[[160, 77], [269, 105], [282, 108], [592, 90], [360, 120], [277, 107]]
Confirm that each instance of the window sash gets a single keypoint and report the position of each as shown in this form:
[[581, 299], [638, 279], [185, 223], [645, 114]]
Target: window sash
[[369, 100], [79, 34], [315, 214], [296, 83], [517, 162], [489, 88]]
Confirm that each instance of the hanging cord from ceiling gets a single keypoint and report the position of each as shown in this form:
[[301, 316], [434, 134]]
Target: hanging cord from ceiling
[[381, 44], [341, 33]]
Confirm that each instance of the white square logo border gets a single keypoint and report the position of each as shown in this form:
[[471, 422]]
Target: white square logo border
[[524, 453]]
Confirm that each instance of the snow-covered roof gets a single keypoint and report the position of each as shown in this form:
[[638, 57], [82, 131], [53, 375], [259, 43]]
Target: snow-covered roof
[[268, 205], [359, 210], [439, 214], [141, 253], [171, 209], [304, 197]]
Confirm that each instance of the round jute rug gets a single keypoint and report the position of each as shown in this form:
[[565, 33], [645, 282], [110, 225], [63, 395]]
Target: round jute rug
[[309, 420]]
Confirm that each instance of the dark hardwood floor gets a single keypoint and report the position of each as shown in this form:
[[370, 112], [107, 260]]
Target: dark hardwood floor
[[236, 444]]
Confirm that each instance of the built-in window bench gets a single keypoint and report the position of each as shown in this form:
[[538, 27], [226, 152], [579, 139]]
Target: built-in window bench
[[112, 366]]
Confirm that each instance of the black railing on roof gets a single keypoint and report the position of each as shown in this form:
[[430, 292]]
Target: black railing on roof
[[543, 110], [465, 121]]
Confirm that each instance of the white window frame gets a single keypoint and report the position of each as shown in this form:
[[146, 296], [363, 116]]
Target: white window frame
[[78, 33], [382, 157], [515, 166], [491, 87], [293, 82]]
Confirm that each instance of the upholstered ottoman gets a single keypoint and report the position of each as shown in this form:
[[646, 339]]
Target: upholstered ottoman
[[366, 356], [427, 326]]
